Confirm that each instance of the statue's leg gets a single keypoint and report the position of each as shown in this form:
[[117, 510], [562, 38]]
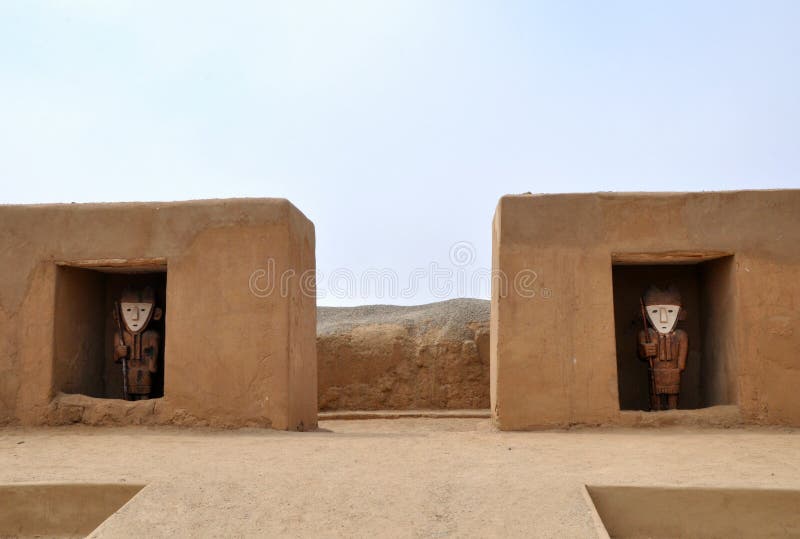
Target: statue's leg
[[672, 401], [654, 402]]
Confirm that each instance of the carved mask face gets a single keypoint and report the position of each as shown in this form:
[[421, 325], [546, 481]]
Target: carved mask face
[[663, 317], [136, 315]]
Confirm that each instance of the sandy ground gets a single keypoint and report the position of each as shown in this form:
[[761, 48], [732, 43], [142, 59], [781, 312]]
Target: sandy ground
[[392, 478]]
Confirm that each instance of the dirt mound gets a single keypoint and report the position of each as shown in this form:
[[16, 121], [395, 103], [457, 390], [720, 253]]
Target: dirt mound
[[381, 357]]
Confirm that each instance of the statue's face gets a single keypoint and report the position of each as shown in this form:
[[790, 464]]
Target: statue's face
[[663, 317], [136, 315]]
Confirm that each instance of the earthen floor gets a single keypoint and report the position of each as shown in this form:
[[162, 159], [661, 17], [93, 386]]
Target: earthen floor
[[410, 477]]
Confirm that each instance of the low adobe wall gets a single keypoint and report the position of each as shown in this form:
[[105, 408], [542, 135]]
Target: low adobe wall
[[386, 357], [235, 353], [554, 350]]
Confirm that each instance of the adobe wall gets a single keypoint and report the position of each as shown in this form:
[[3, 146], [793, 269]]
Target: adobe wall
[[553, 346], [388, 357], [232, 357]]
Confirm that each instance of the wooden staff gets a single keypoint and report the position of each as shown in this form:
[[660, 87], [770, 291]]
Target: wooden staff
[[124, 358], [650, 358]]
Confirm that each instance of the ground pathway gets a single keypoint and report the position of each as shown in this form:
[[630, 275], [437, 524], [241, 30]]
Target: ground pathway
[[408, 477]]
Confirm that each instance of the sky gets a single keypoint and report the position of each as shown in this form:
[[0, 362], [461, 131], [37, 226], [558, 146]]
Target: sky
[[395, 125]]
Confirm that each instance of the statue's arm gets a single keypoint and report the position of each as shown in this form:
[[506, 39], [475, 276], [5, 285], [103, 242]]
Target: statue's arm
[[120, 349], [683, 348], [647, 347]]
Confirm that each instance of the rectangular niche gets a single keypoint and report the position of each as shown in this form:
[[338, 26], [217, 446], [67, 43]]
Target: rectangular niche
[[662, 512], [706, 283], [83, 359], [60, 510]]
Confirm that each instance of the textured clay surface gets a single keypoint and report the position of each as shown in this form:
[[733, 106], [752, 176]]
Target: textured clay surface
[[383, 357]]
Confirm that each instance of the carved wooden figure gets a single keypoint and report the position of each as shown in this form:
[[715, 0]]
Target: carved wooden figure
[[137, 347], [663, 346]]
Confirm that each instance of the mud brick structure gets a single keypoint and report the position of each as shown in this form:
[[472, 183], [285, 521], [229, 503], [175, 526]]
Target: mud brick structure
[[569, 270], [238, 345], [388, 357]]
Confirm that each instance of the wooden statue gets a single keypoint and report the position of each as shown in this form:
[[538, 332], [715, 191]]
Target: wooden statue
[[137, 347], [663, 346]]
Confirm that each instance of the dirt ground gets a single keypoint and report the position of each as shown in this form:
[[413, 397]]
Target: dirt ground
[[381, 477]]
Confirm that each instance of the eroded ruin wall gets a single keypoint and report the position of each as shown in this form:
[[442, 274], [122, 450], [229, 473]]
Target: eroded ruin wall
[[404, 358]]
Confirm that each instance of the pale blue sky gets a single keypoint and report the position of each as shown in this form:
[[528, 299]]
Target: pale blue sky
[[395, 126]]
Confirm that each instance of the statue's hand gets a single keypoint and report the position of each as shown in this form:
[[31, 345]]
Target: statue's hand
[[649, 349], [120, 351]]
